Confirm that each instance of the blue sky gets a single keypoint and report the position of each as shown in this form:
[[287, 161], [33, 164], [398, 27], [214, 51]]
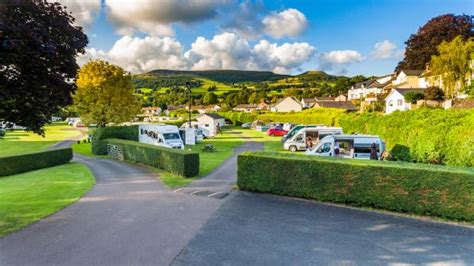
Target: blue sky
[[283, 36]]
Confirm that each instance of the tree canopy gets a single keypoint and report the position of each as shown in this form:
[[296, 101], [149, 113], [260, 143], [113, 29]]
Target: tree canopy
[[38, 60], [453, 64], [423, 44], [104, 94]]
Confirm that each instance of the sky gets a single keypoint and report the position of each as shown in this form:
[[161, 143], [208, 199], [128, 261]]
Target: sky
[[341, 37]]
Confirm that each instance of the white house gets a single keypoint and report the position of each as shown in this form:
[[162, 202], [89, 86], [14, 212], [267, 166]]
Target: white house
[[307, 102], [211, 119], [151, 110], [396, 100], [287, 105], [369, 90], [408, 78]]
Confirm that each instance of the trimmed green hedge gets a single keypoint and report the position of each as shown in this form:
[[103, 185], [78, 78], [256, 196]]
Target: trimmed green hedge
[[32, 161], [116, 132], [180, 162], [442, 191], [427, 135]]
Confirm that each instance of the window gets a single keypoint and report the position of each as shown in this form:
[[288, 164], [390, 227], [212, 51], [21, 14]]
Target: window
[[345, 147], [390, 103], [326, 147], [171, 136], [299, 138], [400, 102]]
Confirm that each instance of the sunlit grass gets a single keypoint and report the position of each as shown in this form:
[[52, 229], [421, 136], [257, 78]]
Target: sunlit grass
[[26, 198]]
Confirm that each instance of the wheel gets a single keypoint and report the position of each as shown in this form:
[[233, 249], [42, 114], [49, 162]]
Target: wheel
[[293, 148]]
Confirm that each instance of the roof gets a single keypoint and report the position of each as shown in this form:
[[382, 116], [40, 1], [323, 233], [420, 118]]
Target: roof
[[309, 100], [338, 105], [464, 104], [212, 115], [412, 72], [293, 98], [363, 83], [324, 99], [151, 108]]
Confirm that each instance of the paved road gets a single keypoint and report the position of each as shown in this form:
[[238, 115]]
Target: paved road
[[127, 218], [259, 229]]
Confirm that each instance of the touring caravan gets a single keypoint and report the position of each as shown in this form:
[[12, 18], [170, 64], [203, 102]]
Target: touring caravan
[[295, 130], [160, 135], [299, 141], [348, 146], [203, 130]]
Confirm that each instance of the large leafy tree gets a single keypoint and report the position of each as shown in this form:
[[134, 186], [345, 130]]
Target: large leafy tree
[[38, 48], [453, 64], [104, 94], [423, 44]]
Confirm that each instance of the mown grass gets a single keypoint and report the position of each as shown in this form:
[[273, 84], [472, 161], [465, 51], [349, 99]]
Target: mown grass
[[28, 197], [19, 141]]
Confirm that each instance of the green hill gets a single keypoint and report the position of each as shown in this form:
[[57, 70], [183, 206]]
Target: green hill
[[316, 76], [226, 76]]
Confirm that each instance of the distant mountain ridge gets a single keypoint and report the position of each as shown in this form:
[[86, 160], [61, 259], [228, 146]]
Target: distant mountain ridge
[[228, 76]]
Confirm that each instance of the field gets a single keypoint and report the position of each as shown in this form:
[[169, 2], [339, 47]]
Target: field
[[220, 87], [28, 197], [19, 141]]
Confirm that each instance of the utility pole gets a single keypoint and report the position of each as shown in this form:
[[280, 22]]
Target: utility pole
[[188, 86]]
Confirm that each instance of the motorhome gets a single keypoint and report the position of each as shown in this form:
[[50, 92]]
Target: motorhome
[[160, 135], [205, 130], [348, 146], [295, 130], [299, 141]]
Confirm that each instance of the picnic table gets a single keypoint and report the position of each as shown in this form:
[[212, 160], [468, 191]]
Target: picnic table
[[208, 147]]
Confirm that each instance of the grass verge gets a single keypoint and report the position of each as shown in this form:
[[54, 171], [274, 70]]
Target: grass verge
[[28, 197]]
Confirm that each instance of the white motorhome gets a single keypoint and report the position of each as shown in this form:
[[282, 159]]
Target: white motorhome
[[348, 146], [207, 130], [298, 142], [160, 135]]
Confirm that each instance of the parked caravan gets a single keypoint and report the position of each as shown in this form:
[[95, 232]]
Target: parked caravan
[[309, 136], [160, 135], [295, 130], [204, 130], [348, 146]]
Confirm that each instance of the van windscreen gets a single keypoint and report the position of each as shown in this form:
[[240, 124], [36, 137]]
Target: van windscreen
[[171, 135]]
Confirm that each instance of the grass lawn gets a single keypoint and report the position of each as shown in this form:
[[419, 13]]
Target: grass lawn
[[28, 197], [19, 141], [85, 149], [271, 144]]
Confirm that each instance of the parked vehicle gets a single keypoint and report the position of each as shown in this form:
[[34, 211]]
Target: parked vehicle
[[56, 119], [207, 130], [299, 142], [198, 132], [295, 130], [247, 125], [160, 135], [5, 125], [348, 146], [276, 131], [71, 120]]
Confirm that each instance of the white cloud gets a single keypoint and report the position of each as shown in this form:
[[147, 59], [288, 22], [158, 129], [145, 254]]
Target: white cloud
[[223, 51], [290, 22], [155, 17], [139, 55], [337, 61], [84, 11], [386, 50]]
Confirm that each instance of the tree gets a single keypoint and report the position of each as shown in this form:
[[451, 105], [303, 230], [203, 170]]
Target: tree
[[209, 98], [104, 94], [422, 45], [453, 64], [433, 93], [413, 96], [39, 44]]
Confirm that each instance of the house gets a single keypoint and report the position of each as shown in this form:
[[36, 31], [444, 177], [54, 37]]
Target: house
[[263, 105], [324, 99], [151, 111], [348, 106], [408, 78], [396, 99], [341, 98], [211, 119], [307, 102], [245, 108], [288, 104], [175, 107], [369, 90]]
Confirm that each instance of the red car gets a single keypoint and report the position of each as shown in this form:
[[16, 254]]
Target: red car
[[276, 131]]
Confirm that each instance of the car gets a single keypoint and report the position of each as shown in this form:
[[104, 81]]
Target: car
[[246, 125], [276, 131]]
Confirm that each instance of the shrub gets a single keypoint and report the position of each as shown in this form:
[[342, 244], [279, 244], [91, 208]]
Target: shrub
[[434, 93], [32, 161], [422, 189], [413, 96], [116, 132], [2, 133], [180, 162]]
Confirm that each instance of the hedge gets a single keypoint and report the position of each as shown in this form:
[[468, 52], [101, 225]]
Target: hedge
[[32, 161], [180, 162], [442, 191], [426, 135], [115, 132]]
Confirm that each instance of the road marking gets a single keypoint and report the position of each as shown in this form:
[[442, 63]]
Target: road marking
[[197, 191], [179, 189], [213, 194]]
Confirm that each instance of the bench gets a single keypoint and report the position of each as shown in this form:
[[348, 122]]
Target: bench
[[209, 148]]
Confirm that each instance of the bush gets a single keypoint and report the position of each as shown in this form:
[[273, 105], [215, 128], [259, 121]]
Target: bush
[[2, 133], [434, 93], [176, 161], [422, 189], [116, 132], [32, 161], [413, 96]]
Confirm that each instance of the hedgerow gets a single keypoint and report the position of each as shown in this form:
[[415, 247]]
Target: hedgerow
[[180, 162], [442, 191], [32, 161], [116, 132]]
